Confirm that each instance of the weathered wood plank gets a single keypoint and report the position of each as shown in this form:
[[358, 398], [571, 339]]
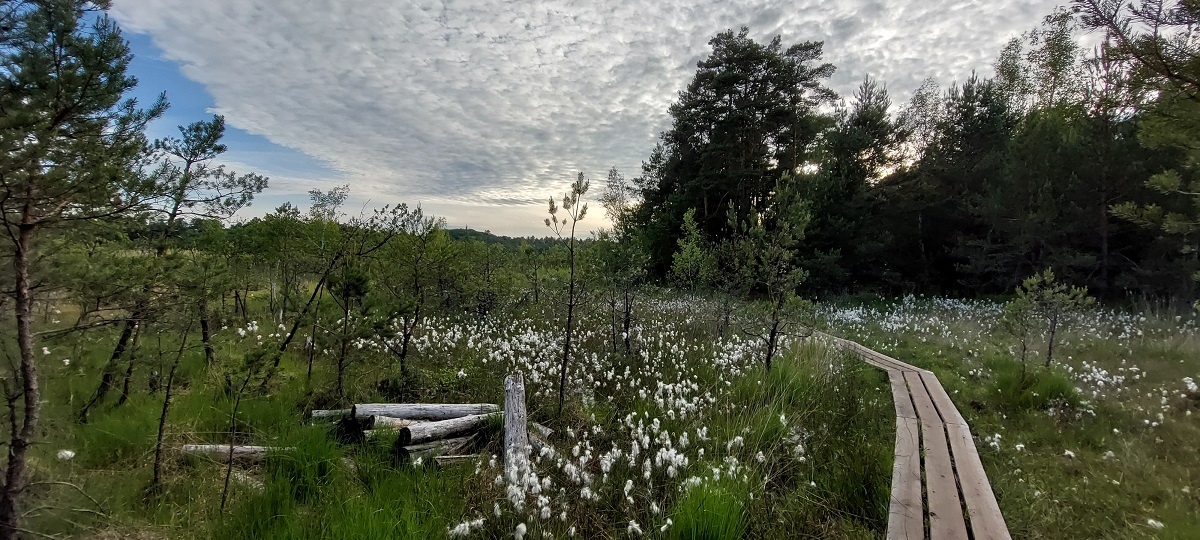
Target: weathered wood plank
[[921, 400], [941, 400], [895, 364], [946, 519], [906, 517], [983, 512], [900, 397]]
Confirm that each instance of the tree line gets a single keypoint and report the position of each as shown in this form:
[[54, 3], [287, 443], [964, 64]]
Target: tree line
[[1071, 159]]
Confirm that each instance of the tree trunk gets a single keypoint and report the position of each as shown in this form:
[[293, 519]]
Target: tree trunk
[[22, 432], [155, 482], [562, 370], [133, 350], [627, 320], [106, 379], [1105, 280], [1050, 342], [516, 429], [205, 335], [341, 362]]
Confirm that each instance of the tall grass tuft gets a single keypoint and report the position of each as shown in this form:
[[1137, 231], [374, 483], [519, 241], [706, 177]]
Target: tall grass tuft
[[713, 510]]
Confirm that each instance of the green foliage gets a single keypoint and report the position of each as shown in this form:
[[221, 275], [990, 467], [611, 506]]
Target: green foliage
[[693, 267], [713, 510], [1051, 301], [1017, 390], [746, 118]]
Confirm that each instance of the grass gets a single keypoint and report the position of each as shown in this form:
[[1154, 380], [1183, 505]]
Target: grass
[[821, 423]]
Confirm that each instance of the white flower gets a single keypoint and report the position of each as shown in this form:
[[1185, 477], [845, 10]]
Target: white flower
[[1020, 447], [65, 455], [465, 528], [45, 351], [520, 532], [634, 528], [1068, 453], [462, 374], [1154, 523], [66, 361]]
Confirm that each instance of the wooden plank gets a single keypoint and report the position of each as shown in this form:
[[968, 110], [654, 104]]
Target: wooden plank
[[906, 517], [921, 400], [984, 513], [902, 366], [946, 519], [941, 399], [900, 397]]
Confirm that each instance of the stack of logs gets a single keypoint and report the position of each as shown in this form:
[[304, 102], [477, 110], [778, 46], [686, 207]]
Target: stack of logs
[[442, 432]]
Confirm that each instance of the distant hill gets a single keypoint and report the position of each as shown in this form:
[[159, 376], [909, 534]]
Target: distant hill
[[507, 241]]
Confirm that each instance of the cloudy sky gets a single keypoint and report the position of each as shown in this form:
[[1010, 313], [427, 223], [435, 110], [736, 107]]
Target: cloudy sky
[[480, 110]]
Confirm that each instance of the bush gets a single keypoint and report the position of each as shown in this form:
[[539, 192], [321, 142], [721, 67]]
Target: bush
[[1016, 389]]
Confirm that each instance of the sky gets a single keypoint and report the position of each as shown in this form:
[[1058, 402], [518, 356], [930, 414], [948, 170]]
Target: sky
[[481, 110]]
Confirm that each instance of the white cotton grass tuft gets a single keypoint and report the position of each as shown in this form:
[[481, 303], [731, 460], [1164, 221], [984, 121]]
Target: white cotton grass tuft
[[465, 528], [1155, 524], [520, 532], [65, 455]]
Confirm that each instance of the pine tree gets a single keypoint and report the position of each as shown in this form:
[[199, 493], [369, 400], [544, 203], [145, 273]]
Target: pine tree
[[71, 150]]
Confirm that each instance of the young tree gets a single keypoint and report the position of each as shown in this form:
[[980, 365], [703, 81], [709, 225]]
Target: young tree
[[1051, 301], [766, 244], [575, 210], [692, 266], [1019, 320], [406, 268], [70, 151], [190, 186]]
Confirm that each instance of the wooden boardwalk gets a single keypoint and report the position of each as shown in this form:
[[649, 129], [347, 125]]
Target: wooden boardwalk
[[939, 488]]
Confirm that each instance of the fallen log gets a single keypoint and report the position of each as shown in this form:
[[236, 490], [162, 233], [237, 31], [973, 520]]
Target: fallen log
[[407, 453], [240, 452], [442, 461], [423, 411], [516, 428], [443, 429], [328, 414], [542, 430], [387, 422], [351, 430]]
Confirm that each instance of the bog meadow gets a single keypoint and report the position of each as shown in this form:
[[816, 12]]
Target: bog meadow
[[1030, 237]]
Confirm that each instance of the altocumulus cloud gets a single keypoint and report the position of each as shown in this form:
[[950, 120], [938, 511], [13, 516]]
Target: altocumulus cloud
[[467, 104]]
